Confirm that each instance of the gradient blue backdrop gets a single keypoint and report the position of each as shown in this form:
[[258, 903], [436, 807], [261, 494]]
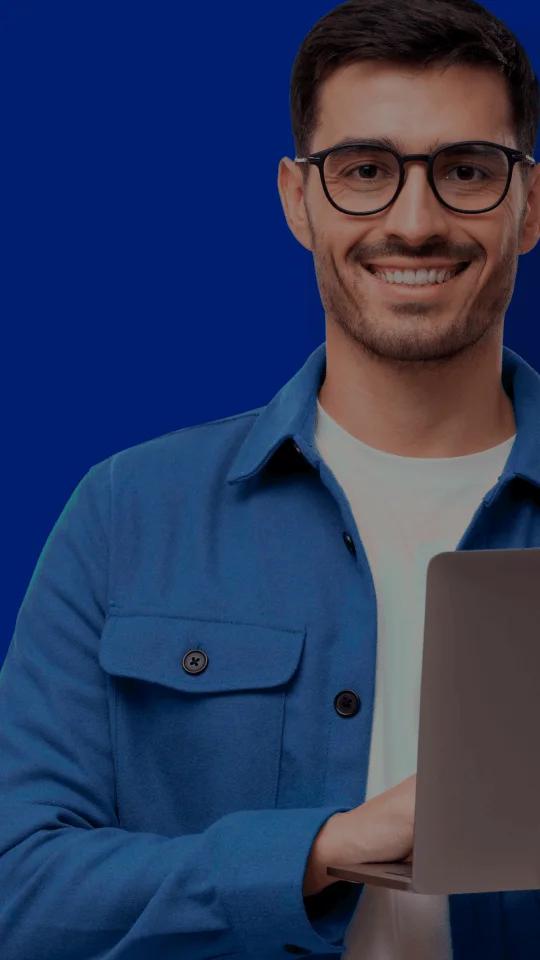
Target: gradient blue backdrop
[[144, 292]]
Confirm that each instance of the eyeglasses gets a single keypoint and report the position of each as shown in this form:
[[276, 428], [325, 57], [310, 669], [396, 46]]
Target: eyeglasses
[[472, 176]]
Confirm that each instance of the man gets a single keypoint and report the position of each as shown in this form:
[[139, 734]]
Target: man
[[192, 725]]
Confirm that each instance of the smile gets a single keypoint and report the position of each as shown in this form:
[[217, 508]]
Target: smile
[[418, 277], [414, 283]]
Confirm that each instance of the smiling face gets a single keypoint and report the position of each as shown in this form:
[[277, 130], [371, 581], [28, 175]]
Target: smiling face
[[417, 109]]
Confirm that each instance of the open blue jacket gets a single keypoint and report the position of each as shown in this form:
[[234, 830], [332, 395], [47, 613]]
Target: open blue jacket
[[169, 745]]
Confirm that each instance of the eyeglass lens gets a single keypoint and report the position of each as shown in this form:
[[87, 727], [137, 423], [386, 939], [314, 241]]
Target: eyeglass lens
[[363, 179]]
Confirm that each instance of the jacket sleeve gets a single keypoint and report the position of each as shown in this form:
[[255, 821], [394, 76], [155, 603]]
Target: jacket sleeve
[[74, 885]]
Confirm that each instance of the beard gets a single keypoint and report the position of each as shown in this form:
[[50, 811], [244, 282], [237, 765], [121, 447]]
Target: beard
[[413, 332]]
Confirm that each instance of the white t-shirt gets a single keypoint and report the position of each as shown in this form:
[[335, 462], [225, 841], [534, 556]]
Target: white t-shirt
[[406, 509]]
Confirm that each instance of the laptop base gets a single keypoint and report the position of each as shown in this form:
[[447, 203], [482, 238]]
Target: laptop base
[[393, 874]]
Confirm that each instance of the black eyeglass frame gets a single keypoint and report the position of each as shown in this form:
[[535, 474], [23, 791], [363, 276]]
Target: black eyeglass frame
[[514, 156]]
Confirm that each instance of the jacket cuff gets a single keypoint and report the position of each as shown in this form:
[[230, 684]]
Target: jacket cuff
[[260, 861], [331, 910]]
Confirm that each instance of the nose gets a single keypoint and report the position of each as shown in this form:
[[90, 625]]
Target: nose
[[416, 212]]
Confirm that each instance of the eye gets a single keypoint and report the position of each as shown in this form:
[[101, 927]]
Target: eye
[[363, 168], [467, 168]]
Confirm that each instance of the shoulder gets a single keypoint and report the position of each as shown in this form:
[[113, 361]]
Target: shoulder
[[187, 455]]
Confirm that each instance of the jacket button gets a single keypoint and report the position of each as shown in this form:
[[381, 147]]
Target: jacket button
[[349, 542], [195, 661], [292, 948], [347, 703]]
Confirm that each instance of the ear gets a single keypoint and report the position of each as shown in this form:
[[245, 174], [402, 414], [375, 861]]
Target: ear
[[530, 229], [291, 189]]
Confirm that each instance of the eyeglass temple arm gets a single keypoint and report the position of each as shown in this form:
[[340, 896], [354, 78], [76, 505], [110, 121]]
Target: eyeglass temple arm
[[530, 160]]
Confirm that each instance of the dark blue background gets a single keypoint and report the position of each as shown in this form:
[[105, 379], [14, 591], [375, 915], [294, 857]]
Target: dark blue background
[[142, 294]]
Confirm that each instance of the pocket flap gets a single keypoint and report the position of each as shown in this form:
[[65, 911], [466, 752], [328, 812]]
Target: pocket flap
[[240, 655]]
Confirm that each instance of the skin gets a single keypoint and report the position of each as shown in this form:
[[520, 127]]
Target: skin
[[379, 830], [414, 378]]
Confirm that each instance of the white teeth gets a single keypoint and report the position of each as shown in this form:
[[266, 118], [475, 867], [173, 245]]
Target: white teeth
[[413, 277]]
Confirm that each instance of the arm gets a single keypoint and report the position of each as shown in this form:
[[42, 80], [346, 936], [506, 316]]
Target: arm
[[73, 882]]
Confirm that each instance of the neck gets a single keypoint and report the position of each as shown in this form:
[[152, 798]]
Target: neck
[[449, 408]]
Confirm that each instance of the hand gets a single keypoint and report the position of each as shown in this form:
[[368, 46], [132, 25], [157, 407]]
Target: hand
[[379, 830]]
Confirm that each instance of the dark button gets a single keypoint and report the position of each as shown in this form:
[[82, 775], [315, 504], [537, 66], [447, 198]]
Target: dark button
[[347, 703], [195, 661], [292, 948], [349, 543]]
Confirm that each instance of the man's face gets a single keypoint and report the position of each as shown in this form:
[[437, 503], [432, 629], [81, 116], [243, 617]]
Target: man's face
[[416, 109]]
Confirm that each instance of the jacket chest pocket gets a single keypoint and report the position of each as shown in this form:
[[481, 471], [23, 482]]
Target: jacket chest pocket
[[198, 715]]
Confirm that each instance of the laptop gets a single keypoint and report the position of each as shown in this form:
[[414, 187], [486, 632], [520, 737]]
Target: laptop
[[477, 810]]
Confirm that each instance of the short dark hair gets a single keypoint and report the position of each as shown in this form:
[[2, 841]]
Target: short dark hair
[[413, 32]]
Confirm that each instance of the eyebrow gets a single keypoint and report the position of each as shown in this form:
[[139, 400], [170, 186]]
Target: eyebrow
[[388, 142]]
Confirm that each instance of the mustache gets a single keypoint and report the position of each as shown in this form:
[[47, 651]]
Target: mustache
[[431, 253]]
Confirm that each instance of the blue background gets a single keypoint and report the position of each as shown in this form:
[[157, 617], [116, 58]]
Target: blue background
[[138, 297]]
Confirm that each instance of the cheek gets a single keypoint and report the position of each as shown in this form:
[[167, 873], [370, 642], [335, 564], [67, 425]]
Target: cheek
[[501, 234]]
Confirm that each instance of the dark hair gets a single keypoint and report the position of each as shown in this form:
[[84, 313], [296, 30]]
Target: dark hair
[[414, 32]]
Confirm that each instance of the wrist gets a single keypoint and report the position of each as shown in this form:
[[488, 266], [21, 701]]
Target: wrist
[[322, 854]]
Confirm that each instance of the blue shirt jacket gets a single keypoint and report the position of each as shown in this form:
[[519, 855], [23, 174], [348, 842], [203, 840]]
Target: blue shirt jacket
[[169, 743]]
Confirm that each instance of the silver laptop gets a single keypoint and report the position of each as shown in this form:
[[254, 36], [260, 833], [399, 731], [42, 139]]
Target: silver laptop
[[477, 813]]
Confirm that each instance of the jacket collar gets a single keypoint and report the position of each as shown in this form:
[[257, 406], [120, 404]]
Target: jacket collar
[[291, 415]]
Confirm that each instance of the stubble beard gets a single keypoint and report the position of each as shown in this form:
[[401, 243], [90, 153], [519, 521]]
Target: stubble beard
[[409, 333]]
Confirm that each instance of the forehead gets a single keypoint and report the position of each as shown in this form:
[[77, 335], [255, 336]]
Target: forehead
[[417, 107]]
